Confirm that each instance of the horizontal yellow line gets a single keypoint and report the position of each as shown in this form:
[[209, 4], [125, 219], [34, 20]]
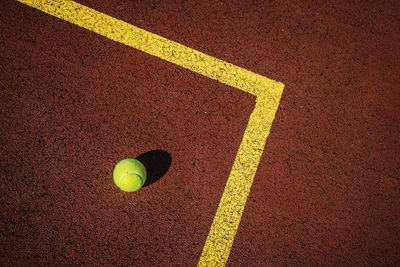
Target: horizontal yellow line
[[151, 43], [226, 221]]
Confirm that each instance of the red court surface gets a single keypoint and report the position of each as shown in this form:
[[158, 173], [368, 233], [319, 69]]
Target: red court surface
[[74, 103]]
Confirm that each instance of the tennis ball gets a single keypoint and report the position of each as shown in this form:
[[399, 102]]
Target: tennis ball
[[129, 175]]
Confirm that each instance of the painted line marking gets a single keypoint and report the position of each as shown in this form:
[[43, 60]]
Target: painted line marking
[[230, 209]]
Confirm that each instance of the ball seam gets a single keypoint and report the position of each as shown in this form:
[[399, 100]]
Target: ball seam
[[125, 174]]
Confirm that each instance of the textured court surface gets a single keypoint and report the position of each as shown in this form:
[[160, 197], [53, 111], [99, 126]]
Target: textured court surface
[[326, 190]]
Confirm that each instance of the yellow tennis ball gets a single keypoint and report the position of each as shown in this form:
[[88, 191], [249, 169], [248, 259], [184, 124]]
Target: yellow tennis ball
[[129, 175]]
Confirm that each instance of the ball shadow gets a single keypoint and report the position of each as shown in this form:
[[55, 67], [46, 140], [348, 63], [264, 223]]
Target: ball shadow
[[157, 163]]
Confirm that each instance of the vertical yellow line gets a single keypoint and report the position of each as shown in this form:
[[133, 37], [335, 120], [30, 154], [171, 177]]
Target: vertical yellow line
[[226, 221]]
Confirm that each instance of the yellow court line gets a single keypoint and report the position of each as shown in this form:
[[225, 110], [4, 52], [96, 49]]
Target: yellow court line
[[226, 221]]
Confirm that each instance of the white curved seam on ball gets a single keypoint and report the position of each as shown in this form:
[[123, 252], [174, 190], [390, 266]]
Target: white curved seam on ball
[[125, 174]]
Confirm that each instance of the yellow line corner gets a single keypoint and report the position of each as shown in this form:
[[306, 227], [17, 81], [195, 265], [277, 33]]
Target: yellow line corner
[[226, 221]]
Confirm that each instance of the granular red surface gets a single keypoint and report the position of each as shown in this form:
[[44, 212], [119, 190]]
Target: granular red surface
[[73, 103]]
